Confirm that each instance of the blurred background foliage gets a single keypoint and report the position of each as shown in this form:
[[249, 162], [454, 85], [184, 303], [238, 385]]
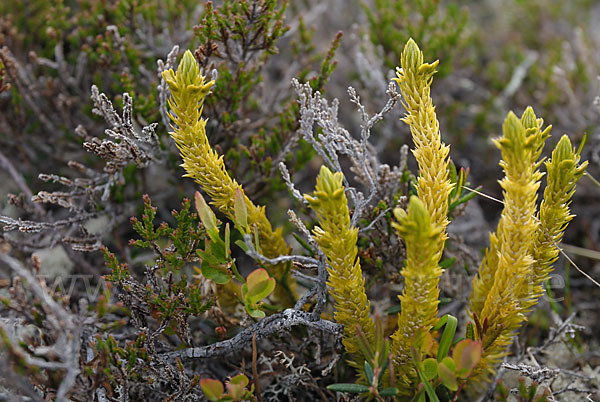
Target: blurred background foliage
[[497, 56]]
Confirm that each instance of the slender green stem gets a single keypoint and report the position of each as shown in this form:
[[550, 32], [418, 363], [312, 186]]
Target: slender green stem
[[592, 179]]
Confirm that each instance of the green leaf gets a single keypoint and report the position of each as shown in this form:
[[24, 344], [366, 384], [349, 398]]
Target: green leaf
[[227, 245], [255, 312], [259, 285], [241, 244], [240, 379], [423, 341], [369, 373], [236, 387], [444, 301], [256, 239], [452, 177], [447, 337], [235, 391], [418, 367], [466, 355], [214, 273], [207, 216], [256, 277], [449, 362], [468, 196], [396, 308], [430, 368], [583, 140], [363, 344], [385, 364], [217, 249], [352, 388], [428, 388], [240, 210], [304, 244], [447, 263], [389, 391], [440, 323], [213, 389], [207, 257], [462, 179], [447, 374]]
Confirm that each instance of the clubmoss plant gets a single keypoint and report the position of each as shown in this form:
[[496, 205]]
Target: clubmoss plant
[[239, 52], [509, 282], [564, 171], [202, 163], [523, 249], [423, 229], [510, 277], [337, 238], [421, 274], [433, 186], [501, 311], [516, 168]]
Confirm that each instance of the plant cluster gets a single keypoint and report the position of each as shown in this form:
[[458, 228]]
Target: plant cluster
[[221, 299]]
